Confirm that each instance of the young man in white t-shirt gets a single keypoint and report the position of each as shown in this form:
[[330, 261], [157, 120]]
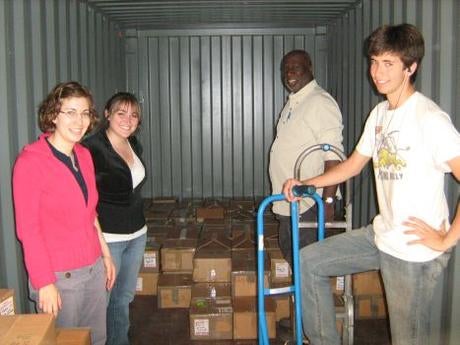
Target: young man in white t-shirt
[[412, 144]]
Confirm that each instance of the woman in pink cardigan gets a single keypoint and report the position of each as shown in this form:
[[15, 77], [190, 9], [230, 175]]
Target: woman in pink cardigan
[[67, 260]]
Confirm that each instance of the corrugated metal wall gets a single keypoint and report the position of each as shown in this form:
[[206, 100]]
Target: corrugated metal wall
[[347, 78], [43, 42], [211, 101]]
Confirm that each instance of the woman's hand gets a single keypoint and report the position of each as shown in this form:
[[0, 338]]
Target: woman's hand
[[49, 300], [287, 189], [110, 271], [427, 235]]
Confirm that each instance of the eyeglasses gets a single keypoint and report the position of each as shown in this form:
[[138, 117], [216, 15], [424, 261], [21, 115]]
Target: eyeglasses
[[74, 115]]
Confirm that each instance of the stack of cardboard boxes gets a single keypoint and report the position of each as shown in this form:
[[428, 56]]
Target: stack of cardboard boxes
[[201, 255], [34, 329]]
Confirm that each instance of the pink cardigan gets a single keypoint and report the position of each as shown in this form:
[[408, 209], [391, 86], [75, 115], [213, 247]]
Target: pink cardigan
[[53, 222]]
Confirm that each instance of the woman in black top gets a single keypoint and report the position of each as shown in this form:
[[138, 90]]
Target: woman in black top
[[120, 174]]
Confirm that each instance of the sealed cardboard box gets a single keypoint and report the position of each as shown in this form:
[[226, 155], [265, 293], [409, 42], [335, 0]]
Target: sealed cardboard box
[[177, 255], [147, 283], [212, 265], [31, 329], [245, 317], [211, 319], [367, 283], [179, 248], [151, 260], [7, 303], [73, 336], [280, 271], [211, 290], [244, 277], [174, 290], [370, 307]]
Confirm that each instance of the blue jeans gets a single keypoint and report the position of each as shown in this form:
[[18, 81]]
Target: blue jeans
[[127, 257], [409, 286]]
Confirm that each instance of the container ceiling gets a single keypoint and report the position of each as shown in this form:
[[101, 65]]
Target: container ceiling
[[169, 14]]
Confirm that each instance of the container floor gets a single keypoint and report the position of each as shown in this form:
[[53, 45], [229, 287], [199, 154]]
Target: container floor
[[150, 325]]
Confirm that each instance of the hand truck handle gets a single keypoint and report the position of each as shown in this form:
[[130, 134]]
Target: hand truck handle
[[303, 190]]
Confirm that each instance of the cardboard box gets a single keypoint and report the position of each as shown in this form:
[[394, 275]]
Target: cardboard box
[[282, 302], [211, 319], [280, 271], [73, 336], [147, 283], [151, 261], [370, 307], [338, 285], [179, 248], [7, 302], [244, 241], [184, 232], [212, 265], [211, 209], [245, 324], [32, 329], [211, 290], [217, 240], [367, 283], [271, 244], [244, 273], [174, 290]]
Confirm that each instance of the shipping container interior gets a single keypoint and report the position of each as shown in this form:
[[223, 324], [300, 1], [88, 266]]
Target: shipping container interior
[[207, 74]]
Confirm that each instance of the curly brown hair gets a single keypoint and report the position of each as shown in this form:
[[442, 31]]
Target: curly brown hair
[[51, 106]]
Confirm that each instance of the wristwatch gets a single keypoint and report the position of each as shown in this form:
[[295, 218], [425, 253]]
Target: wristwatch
[[329, 200]]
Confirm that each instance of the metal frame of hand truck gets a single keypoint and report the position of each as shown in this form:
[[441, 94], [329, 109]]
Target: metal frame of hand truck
[[347, 312]]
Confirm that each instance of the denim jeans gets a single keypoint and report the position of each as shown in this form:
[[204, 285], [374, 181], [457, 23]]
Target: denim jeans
[[409, 286], [127, 257]]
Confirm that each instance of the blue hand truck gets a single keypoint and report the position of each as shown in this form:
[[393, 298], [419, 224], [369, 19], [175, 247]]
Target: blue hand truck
[[346, 313], [301, 191]]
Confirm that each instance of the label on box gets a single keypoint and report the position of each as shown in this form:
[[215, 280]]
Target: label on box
[[225, 310], [340, 283], [223, 301], [201, 327], [7, 307], [150, 260], [139, 284], [282, 269]]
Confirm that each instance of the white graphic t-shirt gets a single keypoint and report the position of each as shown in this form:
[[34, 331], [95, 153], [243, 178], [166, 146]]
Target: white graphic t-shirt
[[409, 147]]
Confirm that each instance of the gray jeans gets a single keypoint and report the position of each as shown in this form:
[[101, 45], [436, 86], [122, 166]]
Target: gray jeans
[[409, 286], [84, 299]]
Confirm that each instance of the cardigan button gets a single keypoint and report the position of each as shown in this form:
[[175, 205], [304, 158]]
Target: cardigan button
[[68, 275]]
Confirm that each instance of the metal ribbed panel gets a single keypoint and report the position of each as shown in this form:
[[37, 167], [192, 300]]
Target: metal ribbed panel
[[41, 43], [210, 104]]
